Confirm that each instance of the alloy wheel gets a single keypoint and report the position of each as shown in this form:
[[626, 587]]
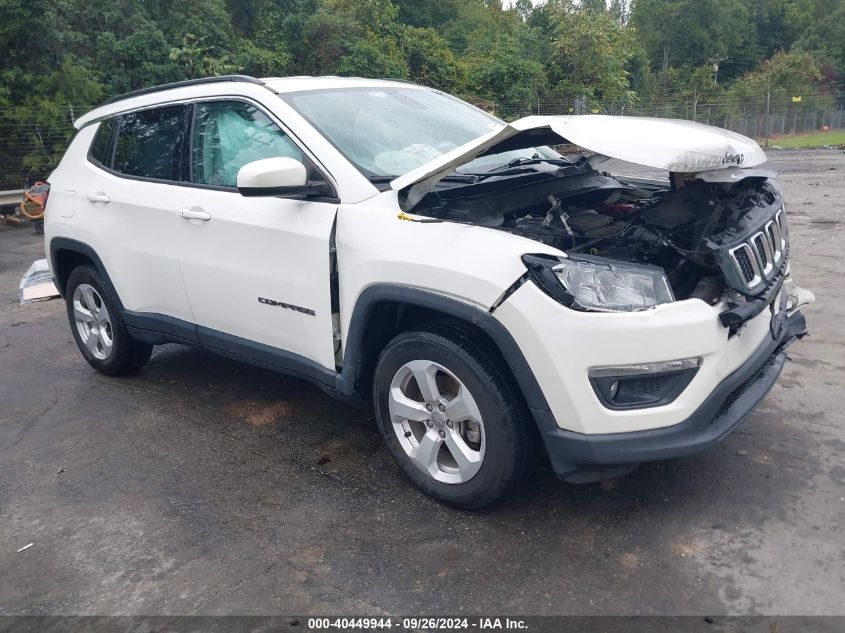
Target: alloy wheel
[[437, 421], [93, 321]]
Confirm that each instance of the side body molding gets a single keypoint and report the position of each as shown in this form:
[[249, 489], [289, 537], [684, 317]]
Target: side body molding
[[345, 385]]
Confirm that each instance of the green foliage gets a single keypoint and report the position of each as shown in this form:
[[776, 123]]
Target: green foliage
[[356, 38], [690, 32], [429, 59], [819, 139], [373, 57], [590, 54], [497, 70], [196, 59], [825, 38], [608, 53], [782, 77]]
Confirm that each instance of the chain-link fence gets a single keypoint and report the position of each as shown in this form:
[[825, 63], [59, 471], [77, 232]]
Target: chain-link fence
[[762, 118], [33, 139], [750, 123]]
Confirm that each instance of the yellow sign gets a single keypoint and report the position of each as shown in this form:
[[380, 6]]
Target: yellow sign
[[796, 99]]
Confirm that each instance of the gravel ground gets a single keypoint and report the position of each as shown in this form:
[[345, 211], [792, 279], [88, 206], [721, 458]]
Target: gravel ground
[[203, 486]]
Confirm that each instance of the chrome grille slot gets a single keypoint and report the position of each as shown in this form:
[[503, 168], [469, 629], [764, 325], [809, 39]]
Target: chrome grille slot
[[746, 264], [773, 231], [780, 220], [759, 258], [763, 251]]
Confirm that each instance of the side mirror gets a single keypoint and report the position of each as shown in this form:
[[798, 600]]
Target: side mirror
[[278, 176]]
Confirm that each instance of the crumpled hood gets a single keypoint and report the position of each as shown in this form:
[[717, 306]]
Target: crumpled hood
[[670, 144]]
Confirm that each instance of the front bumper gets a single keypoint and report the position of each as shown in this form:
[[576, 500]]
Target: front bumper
[[579, 457]]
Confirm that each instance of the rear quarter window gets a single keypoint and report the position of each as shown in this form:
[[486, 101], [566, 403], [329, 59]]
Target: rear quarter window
[[150, 143], [101, 146]]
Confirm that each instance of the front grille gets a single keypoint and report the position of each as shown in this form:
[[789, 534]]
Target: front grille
[[758, 259]]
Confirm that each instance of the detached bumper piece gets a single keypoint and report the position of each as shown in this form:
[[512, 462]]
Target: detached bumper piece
[[581, 458]]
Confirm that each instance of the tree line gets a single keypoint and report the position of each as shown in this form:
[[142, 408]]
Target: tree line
[[81, 51], [598, 55]]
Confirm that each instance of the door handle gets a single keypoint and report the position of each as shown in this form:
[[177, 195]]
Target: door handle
[[94, 198], [194, 213]]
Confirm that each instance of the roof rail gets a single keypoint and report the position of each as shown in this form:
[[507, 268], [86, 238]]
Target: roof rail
[[187, 82]]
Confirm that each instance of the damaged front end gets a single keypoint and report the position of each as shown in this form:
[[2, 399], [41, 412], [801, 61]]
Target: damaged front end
[[719, 234]]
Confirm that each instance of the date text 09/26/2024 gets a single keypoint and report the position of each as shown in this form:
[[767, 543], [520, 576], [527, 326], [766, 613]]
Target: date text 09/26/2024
[[417, 623]]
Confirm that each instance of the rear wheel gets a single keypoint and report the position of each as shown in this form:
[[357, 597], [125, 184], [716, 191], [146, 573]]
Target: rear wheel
[[98, 327], [451, 418]]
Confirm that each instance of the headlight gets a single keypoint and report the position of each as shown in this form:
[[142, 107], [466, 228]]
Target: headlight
[[590, 283]]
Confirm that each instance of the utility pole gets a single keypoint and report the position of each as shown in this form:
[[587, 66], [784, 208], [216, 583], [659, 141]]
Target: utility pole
[[694, 102], [715, 61], [768, 101]]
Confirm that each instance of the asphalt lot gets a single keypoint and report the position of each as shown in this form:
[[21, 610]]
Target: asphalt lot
[[203, 486]]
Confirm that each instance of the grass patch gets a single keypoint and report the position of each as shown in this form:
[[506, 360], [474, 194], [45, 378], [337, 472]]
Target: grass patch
[[816, 139]]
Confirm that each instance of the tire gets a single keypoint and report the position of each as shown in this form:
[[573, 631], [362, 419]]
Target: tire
[[97, 325], [502, 448]]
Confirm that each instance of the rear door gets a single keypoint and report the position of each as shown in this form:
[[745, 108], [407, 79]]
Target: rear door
[[256, 270], [127, 198]]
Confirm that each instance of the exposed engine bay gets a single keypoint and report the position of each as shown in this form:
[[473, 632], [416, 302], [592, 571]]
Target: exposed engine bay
[[696, 231]]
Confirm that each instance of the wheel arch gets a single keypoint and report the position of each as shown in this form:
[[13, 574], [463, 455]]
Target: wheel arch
[[382, 311], [66, 254]]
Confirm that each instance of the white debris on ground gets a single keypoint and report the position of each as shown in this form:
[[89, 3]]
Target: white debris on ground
[[37, 284]]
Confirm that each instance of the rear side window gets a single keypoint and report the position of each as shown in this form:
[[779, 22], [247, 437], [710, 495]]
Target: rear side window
[[230, 134], [101, 146], [150, 143]]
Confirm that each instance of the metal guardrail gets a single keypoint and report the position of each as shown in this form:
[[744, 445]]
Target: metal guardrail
[[11, 198]]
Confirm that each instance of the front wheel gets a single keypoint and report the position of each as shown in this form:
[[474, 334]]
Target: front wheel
[[451, 417]]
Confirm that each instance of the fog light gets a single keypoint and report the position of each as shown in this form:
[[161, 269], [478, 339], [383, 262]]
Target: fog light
[[644, 384]]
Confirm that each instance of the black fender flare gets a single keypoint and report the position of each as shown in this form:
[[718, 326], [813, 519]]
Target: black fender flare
[[355, 350], [75, 246]]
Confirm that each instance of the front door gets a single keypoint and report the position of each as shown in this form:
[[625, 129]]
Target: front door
[[256, 270]]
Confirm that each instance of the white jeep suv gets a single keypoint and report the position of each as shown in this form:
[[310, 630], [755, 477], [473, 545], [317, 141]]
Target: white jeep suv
[[495, 300]]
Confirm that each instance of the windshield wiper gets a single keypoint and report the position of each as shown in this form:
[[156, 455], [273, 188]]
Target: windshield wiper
[[453, 177], [523, 162], [518, 166]]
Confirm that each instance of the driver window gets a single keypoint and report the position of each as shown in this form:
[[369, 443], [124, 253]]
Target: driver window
[[229, 134]]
